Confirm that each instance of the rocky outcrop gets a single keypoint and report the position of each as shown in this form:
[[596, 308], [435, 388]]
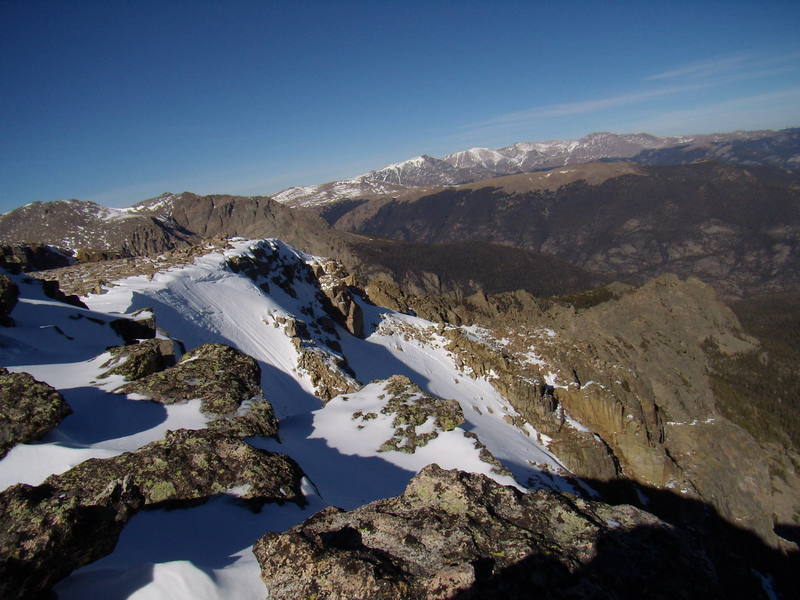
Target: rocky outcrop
[[139, 325], [9, 292], [319, 355], [275, 266], [28, 409], [76, 517], [330, 374], [523, 385], [188, 466], [32, 257], [226, 381], [221, 376], [335, 283], [48, 532], [410, 408], [135, 361], [651, 400], [629, 367], [255, 417], [458, 535]]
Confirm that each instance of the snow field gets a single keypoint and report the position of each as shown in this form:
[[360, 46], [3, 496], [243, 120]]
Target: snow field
[[205, 552]]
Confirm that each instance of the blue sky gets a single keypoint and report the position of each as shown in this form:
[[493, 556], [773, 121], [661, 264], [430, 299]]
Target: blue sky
[[117, 101]]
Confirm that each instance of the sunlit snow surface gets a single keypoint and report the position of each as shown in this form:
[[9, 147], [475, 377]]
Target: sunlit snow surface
[[205, 552]]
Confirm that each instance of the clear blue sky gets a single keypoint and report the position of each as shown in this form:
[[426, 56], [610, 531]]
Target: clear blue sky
[[118, 101]]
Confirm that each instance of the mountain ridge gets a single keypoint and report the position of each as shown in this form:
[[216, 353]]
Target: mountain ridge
[[777, 148], [248, 339], [733, 226]]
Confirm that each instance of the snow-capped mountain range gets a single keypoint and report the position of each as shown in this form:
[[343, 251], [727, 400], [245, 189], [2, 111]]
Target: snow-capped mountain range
[[475, 164]]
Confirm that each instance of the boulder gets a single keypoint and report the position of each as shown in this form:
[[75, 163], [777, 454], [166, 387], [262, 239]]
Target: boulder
[[28, 409], [9, 292], [46, 532], [187, 467], [221, 376], [457, 535], [76, 517], [140, 360]]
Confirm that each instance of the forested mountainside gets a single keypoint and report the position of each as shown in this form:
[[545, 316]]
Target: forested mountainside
[[734, 227]]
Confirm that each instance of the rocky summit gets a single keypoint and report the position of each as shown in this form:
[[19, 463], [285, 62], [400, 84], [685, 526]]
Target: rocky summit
[[457, 535], [536, 407]]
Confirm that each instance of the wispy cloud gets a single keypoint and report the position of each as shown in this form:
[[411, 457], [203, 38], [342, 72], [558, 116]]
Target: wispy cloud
[[707, 68], [585, 106], [714, 72], [772, 110], [746, 65]]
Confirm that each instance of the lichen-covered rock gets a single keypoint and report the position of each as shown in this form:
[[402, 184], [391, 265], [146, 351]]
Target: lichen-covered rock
[[329, 373], [75, 518], [188, 466], [220, 376], [9, 292], [335, 282], [28, 409], [458, 535], [412, 408], [46, 532], [254, 418], [139, 360]]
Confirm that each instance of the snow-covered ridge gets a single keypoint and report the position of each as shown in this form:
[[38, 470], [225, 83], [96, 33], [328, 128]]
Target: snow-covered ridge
[[210, 301]]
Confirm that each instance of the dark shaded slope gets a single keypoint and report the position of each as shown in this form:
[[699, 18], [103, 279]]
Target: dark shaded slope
[[737, 228], [780, 149], [257, 217], [760, 390], [188, 219], [466, 267]]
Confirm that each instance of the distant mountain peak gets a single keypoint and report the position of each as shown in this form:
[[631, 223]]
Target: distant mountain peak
[[479, 163]]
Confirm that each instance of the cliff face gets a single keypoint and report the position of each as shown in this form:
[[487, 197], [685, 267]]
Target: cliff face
[[631, 367]]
